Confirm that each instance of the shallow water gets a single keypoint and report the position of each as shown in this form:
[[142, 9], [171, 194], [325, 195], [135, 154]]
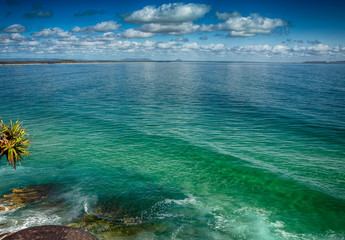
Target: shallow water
[[182, 150]]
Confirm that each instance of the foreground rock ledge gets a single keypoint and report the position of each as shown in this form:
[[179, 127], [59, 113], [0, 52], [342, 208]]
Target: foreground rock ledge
[[51, 232]]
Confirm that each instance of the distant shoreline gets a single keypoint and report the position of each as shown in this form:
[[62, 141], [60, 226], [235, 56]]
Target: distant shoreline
[[162, 61]]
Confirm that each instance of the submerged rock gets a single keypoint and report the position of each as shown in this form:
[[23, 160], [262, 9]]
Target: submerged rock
[[116, 226], [22, 197]]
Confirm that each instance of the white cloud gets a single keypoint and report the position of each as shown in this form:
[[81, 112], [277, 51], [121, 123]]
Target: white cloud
[[15, 28], [226, 16], [106, 26], [100, 27], [4, 36], [52, 32], [108, 36], [215, 47], [170, 28], [17, 37], [321, 47], [87, 43], [168, 13], [5, 39], [182, 39], [167, 46], [239, 26], [125, 46], [207, 28], [240, 34], [110, 43], [47, 32], [280, 49], [13, 38], [132, 33], [149, 44], [29, 43], [194, 46], [64, 34]]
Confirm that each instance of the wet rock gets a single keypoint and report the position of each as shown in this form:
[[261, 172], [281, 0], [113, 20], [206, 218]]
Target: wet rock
[[4, 234], [22, 197], [116, 226], [51, 232]]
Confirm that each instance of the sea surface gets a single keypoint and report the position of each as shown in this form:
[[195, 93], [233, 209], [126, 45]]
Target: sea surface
[[181, 150]]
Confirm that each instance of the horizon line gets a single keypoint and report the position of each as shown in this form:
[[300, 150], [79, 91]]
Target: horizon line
[[71, 61]]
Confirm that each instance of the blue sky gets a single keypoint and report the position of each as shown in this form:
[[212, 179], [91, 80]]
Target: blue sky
[[166, 30]]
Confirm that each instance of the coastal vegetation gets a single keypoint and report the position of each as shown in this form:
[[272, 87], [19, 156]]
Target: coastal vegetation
[[14, 142]]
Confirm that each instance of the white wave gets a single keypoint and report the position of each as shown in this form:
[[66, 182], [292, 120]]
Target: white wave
[[74, 203], [77, 202], [29, 218], [5, 207], [190, 200], [175, 233], [40, 218]]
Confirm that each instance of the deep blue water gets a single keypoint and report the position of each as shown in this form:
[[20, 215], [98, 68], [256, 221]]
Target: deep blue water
[[182, 150]]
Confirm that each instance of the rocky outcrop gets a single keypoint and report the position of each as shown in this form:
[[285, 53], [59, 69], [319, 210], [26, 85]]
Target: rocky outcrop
[[22, 197]]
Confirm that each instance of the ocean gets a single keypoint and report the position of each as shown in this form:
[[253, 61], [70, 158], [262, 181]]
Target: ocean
[[181, 150]]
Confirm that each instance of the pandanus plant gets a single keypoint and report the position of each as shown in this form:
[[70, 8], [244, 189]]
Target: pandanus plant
[[14, 142]]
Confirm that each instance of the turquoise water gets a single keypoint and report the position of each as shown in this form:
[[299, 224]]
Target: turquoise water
[[183, 150]]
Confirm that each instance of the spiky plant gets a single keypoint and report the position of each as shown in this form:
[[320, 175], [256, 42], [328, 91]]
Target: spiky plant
[[14, 142]]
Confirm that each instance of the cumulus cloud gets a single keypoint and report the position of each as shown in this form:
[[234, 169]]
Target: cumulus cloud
[[56, 40], [177, 19], [203, 38], [17, 37], [89, 13], [15, 28], [172, 18], [29, 43], [100, 27], [108, 36], [170, 28], [63, 34], [167, 46], [132, 33], [51, 32], [251, 26], [11, 38], [239, 26], [46, 33], [226, 16], [168, 13]]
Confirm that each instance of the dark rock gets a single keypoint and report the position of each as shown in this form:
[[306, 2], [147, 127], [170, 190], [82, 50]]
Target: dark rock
[[4, 234], [51, 232]]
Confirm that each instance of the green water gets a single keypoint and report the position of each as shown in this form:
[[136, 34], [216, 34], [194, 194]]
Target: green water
[[183, 150]]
